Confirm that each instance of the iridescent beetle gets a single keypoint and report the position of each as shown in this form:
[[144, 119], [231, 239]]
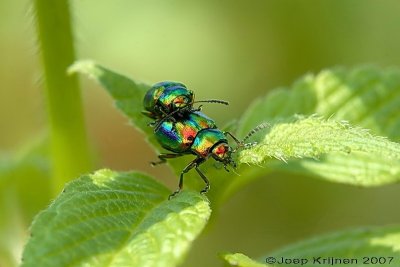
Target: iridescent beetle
[[197, 134], [168, 99]]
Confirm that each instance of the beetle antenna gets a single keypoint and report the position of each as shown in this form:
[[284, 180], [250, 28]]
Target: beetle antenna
[[212, 101], [244, 145], [255, 130]]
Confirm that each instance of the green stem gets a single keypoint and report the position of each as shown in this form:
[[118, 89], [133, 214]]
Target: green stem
[[69, 147]]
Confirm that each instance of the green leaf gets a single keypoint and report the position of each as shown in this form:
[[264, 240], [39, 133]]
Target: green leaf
[[241, 260], [380, 242], [116, 219], [128, 95], [378, 158], [358, 243]]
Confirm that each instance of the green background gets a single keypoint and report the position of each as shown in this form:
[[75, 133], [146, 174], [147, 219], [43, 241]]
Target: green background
[[231, 50]]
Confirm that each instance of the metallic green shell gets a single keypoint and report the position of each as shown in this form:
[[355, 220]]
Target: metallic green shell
[[150, 100], [179, 136], [205, 140], [166, 97]]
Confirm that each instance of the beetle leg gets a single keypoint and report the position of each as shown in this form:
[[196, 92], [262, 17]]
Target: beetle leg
[[163, 158], [152, 124], [193, 164], [226, 168], [205, 190]]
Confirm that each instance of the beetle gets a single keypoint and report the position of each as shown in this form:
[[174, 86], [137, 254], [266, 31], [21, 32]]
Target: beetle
[[170, 99], [197, 134]]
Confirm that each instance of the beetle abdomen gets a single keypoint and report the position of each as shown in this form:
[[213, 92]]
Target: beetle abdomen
[[179, 136]]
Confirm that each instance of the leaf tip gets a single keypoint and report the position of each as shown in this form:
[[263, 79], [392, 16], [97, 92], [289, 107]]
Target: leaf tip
[[101, 177], [239, 259], [81, 66]]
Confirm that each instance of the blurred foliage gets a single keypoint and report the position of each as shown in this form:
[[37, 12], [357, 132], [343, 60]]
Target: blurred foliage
[[69, 147], [375, 246], [231, 50], [24, 190]]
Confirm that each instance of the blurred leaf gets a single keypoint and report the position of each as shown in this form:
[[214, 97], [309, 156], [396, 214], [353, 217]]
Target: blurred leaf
[[356, 243], [365, 96], [12, 228], [380, 242], [27, 173], [241, 260], [116, 219], [24, 191], [312, 137]]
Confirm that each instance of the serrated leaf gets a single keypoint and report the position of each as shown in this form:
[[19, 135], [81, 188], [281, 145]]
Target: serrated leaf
[[241, 260], [311, 137], [325, 141], [116, 219], [356, 245], [128, 94]]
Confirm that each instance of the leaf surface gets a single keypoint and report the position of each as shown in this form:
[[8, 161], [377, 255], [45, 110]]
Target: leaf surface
[[351, 154], [127, 94], [116, 219]]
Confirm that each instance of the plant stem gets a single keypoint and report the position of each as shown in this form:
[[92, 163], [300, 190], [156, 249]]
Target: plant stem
[[69, 147]]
